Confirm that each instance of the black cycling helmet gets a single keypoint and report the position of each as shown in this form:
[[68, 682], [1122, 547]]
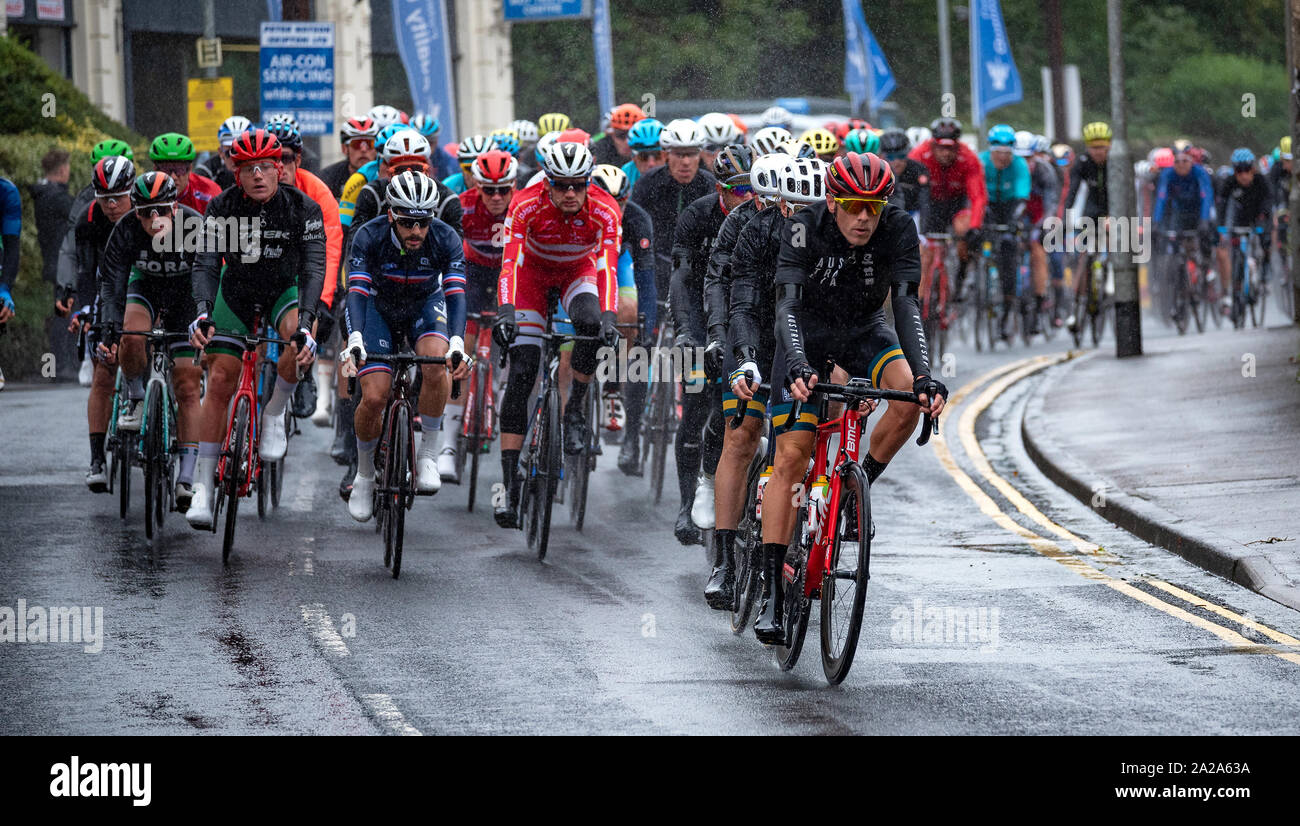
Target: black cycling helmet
[[287, 133], [894, 140], [945, 130], [153, 188], [733, 159]]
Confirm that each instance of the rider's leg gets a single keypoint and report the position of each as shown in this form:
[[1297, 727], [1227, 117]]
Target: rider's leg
[[897, 423], [434, 391]]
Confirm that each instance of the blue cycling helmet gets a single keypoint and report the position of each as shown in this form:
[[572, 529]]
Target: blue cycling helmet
[[1241, 156], [287, 133], [1002, 136], [644, 135], [426, 125], [386, 133], [506, 140]]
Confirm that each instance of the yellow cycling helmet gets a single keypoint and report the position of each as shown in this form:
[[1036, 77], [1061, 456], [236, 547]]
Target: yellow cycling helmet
[[1284, 147], [1097, 132], [821, 140], [553, 122]]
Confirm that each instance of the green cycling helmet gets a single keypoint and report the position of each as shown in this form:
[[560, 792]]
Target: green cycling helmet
[[862, 140], [171, 146], [111, 148]]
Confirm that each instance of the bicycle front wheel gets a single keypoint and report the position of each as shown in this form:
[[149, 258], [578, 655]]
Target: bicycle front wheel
[[155, 469], [844, 585], [548, 477], [400, 489], [236, 472], [747, 548]]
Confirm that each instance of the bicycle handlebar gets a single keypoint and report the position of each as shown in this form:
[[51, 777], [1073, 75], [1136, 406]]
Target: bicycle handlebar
[[853, 392], [401, 360]]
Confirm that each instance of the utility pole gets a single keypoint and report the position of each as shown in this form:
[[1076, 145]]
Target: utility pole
[[209, 31], [945, 52], [1293, 238], [1119, 182], [1056, 65]]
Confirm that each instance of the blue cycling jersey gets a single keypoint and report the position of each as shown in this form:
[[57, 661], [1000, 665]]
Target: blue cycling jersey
[[456, 183], [1006, 185], [1190, 193], [11, 223], [633, 174], [395, 280]]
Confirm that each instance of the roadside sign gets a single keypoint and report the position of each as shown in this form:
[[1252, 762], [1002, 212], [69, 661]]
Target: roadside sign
[[211, 101], [297, 74]]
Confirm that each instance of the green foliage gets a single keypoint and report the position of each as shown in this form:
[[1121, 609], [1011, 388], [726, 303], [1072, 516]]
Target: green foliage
[[36, 99]]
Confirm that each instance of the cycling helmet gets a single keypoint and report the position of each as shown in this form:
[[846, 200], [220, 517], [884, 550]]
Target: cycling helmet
[[1198, 154], [506, 140], [1163, 158], [1182, 145], [112, 175], [1241, 156], [1002, 137], [682, 133], [543, 142], [109, 149], [764, 173], [644, 136], [860, 140], [893, 142], [472, 147], [387, 132], [733, 161], [553, 122], [802, 181], [1205, 157], [740, 124], [821, 141], [917, 135], [406, 144], [284, 118], [1024, 143], [289, 137], [1142, 169], [426, 125], [358, 129], [1284, 146], [527, 132], [384, 115], [153, 188], [797, 149], [718, 129], [575, 135], [860, 176], [776, 116], [1063, 154], [1041, 145], [769, 139], [171, 146], [625, 115], [231, 128], [946, 131], [412, 195], [612, 179], [567, 160], [1097, 132], [255, 145], [494, 167]]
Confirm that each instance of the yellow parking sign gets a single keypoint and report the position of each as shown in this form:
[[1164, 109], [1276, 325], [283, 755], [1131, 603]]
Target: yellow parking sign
[[211, 101]]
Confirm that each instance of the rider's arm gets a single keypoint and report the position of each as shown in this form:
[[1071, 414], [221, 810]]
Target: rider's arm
[[923, 196], [359, 281], [687, 291], [87, 261], [639, 233], [1204, 188], [792, 267], [1162, 197], [905, 268], [453, 276], [366, 208], [348, 201], [114, 271], [608, 243], [746, 292], [11, 227], [976, 191], [517, 218], [1049, 188], [1021, 185], [717, 280], [1076, 178], [311, 275]]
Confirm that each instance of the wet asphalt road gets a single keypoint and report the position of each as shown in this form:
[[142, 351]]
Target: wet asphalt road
[[306, 633]]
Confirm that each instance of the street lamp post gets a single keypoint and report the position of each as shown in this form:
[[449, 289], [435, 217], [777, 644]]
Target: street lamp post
[[1119, 182]]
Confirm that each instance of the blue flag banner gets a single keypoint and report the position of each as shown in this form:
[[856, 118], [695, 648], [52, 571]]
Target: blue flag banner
[[274, 10], [602, 42], [423, 43], [994, 79], [867, 76]]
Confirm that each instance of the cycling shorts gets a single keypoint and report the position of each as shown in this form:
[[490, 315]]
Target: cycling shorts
[[234, 312], [169, 297], [757, 406], [530, 299], [382, 323]]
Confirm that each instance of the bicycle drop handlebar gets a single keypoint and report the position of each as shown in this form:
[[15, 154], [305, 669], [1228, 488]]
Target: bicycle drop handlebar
[[851, 393], [403, 360]]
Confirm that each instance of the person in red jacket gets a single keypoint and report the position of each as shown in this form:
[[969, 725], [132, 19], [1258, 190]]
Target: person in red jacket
[[957, 194], [173, 154]]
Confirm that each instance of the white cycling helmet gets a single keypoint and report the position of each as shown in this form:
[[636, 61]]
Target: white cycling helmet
[[776, 116], [527, 132], [719, 130], [612, 179], [802, 181], [406, 143], [769, 139], [471, 148], [1024, 146], [1142, 168], [764, 173], [384, 115], [567, 160], [413, 195], [682, 133], [917, 135], [1042, 145], [231, 128], [542, 143], [797, 149]]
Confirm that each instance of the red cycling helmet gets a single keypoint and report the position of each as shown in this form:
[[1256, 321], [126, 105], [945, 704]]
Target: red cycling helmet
[[859, 175], [255, 145], [495, 167], [575, 135], [1164, 158]]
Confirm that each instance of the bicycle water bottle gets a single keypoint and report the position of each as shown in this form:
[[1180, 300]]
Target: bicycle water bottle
[[818, 501], [762, 483]]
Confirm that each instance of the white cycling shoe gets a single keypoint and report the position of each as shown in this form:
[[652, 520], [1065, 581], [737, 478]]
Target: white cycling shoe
[[273, 441], [447, 466], [427, 478], [702, 509], [129, 418], [86, 374], [361, 503], [322, 416], [200, 513]]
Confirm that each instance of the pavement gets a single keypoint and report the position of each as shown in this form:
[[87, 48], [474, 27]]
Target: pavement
[[1195, 446]]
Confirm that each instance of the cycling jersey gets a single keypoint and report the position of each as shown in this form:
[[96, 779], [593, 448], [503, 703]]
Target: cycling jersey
[[11, 226], [1087, 171], [92, 231], [664, 199], [484, 232], [1250, 205], [1005, 185], [638, 242], [199, 193], [633, 174], [335, 176], [215, 170], [717, 278], [1044, 191], [315, 189], [752, 297], [351, 189], [697, 226], [372, 201], [962, 179], [1279, 181], [1190, 196], [603, 150], [133, 269], [456, 183], [913, 186]]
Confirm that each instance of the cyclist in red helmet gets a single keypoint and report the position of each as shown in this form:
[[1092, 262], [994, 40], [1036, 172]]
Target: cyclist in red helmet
[[958, 193]]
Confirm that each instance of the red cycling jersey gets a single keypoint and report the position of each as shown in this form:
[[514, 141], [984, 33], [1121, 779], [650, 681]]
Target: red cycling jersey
[[548, 248], [484, 232], [199, 192], [964, 177]]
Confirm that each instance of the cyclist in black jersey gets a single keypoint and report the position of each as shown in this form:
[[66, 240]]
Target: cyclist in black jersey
[[838, 264], [911, 177], [405, 151], [699, 435], [264, 245]]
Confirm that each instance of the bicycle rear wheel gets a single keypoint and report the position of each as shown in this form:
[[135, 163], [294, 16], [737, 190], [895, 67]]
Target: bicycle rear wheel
[[154, 467], [549, 471], [236, 472], [748, 547], [400, 489], [844, 586], [661, 441], [798, 607]]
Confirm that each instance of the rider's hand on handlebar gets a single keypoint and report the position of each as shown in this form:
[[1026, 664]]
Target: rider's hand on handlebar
[[609, 328], [456, 356], [745, 381], [803, 378], [355, 352], [506, 328], [932, 392], [200, 329]]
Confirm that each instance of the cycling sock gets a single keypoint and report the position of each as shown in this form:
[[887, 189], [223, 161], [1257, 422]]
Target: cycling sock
[[723, 537], [206, 467], [873, 469], [453, 415], [97, 447], [634, 393], [366, 457], [189, 455], [135, 388], [280, 397], [577, 393], [509, 464], [431, 437]]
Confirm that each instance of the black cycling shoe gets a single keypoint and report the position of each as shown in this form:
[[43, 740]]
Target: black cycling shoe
[[629, 455], [685, 529], [304, 396], [97, 477], [507, 515], [345, 487], [719, 593], [769, 625], [344, 449], [575, 433]]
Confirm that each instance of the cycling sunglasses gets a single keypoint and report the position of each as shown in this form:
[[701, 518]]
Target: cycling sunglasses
[[656, 155], [895, 156], [569, 184], [500, 191], [150, 210], [853, 206], [739, 189], [412, 223], [173, 169]]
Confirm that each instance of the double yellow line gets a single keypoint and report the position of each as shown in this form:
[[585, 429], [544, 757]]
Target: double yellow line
[[1080, 559]]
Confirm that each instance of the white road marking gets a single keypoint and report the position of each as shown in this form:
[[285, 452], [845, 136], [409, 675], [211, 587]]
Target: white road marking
[[385, 710], [321, 626]]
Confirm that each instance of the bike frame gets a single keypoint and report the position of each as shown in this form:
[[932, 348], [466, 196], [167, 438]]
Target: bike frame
[[471, 427], [245, 389], [939, 272]]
